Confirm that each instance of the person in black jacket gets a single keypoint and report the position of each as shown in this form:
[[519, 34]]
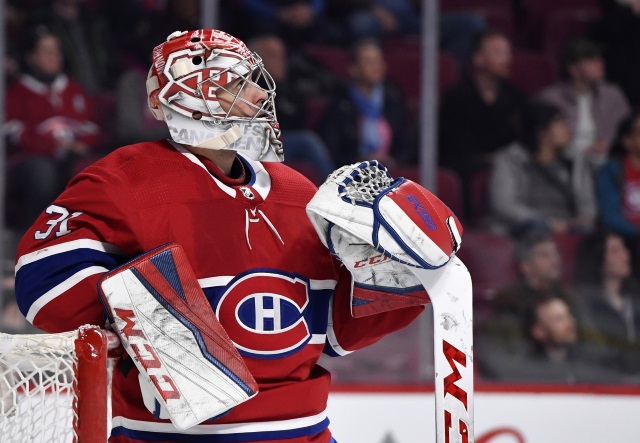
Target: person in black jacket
[[618, 31], [367, 119], [477, 115], [609, 296]]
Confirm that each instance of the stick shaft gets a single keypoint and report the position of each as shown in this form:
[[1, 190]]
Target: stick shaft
[[450, 292]]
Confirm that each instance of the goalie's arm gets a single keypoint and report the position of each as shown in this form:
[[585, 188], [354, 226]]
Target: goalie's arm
[[82, 235], [348, 333]]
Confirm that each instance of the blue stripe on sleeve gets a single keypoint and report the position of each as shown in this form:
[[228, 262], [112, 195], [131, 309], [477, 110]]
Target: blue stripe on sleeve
[[37, 278]]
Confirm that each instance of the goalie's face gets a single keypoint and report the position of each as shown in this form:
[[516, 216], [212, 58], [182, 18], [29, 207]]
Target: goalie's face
[[242, 99]]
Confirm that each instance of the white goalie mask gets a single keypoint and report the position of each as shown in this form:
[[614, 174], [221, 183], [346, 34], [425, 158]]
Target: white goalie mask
[[189, 73]]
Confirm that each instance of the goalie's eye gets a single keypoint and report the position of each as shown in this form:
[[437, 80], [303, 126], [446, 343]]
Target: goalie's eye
[[258, 78]]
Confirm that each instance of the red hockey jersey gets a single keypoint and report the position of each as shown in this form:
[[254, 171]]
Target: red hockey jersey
[[278, 292]]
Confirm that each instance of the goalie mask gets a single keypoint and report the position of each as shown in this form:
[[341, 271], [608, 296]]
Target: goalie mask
[[191, 71]]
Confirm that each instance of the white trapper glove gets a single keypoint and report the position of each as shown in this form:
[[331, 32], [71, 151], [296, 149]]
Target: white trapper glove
[[380, 229]]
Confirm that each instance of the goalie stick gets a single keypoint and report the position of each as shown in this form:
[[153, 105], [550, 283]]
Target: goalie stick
[[361, 211], [449, 289]]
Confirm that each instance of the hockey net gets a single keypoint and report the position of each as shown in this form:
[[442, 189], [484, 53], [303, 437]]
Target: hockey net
[[54, 387]]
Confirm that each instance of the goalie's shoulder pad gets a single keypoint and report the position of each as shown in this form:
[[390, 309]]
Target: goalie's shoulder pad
[[414, 226]]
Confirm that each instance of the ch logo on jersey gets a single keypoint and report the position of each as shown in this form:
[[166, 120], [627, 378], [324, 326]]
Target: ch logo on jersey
[[263, 314]]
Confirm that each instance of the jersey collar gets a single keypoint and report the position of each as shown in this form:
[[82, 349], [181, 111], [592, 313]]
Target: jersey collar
[[258, 178]]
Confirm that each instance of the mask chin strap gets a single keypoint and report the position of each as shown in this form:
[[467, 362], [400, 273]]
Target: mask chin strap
[[272, 140], [223, 140]]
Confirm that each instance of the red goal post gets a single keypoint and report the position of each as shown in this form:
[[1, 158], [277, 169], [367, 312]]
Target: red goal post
[[55, 387]]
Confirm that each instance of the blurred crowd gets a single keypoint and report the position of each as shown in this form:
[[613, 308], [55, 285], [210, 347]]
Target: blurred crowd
[[538, 141]]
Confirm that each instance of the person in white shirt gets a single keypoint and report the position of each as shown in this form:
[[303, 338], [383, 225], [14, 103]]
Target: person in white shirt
[[594, 107]]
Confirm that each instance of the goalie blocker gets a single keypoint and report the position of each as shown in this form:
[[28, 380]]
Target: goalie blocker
[[165, 323]]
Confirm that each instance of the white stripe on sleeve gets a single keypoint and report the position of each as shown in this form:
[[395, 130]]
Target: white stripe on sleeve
[[66, 247], [61, 288]]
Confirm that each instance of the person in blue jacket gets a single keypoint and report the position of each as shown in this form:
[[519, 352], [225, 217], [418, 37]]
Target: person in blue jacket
[[618, 182]]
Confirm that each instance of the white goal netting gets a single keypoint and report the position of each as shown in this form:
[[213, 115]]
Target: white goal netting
[[37, 393], [38, 400]]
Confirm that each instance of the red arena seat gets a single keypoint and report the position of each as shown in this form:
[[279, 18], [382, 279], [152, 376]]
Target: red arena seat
[[489, 258]]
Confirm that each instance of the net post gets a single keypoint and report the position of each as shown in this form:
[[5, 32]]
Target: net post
[[92, 380]]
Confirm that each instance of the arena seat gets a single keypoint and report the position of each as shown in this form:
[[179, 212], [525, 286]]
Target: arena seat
[[450, 190], [532, 71], [405, 70], [333, 58], [489, 258], [308, 171], [501, 20], [471, 5], [315, 108], [568, 247], [546, 7], [479, 203], [562, 27]]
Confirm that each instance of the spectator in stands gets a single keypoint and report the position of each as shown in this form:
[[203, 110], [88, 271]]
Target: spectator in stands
[[594, 108], [559, 355], [182, 14], [296, 21], [14, 17], [379, 18], [367, 119], [134, 121], [85, 44], [458, 32], [609, 299], [503, 341], [49, 124], [166, 16], [392, 18], [303, 145], [618, 181], [553, 328], [476, 115], [618, 30], [533, 186]]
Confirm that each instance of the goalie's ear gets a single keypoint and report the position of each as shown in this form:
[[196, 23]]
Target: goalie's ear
[[414, 226]]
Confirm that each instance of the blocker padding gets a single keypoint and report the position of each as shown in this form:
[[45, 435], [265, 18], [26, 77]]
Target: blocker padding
[[167, 325]]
